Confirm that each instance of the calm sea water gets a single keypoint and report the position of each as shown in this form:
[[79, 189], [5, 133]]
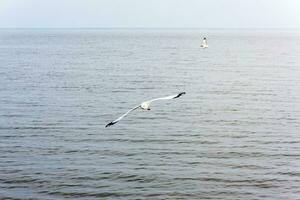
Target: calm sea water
[[234, 135]]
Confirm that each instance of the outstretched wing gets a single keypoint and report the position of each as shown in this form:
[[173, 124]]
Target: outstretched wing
[[121, 117], [168, 97]]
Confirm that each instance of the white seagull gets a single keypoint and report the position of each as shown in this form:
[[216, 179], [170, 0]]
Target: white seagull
[[145, 106], [204, 43]]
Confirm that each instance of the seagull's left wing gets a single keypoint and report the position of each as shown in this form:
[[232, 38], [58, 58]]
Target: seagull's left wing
[[122, 116], [168, 97]]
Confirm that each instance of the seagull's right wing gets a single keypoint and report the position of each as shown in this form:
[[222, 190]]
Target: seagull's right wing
[[121, 117], [168, 97]]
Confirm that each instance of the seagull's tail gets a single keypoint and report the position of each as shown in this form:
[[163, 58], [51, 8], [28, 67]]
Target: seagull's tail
[[180, 94]]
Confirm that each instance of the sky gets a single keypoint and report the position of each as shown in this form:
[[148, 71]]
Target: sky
[[150, 14]]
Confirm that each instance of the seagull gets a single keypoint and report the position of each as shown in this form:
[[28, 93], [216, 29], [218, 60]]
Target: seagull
[[144, 106], [204, 43]]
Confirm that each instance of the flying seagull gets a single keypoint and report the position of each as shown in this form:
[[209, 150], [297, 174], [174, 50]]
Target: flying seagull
[[145, 106]]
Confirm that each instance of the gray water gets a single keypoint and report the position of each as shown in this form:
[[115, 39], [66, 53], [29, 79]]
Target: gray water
[[234, 135]]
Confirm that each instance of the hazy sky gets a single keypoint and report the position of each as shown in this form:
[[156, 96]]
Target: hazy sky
[[150, 13]]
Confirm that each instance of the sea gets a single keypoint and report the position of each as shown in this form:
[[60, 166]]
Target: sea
[[235, 134]]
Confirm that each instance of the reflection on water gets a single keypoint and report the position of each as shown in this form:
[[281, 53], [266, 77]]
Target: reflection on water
[[234, 135]]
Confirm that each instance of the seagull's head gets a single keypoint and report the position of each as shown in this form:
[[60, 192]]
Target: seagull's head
[[145, 106]]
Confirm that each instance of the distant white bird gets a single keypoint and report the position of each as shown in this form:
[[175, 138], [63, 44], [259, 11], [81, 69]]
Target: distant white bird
[[145, 106], [204, 43]]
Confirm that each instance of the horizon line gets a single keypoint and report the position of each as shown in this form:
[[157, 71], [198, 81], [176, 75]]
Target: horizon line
[[166, 28]]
